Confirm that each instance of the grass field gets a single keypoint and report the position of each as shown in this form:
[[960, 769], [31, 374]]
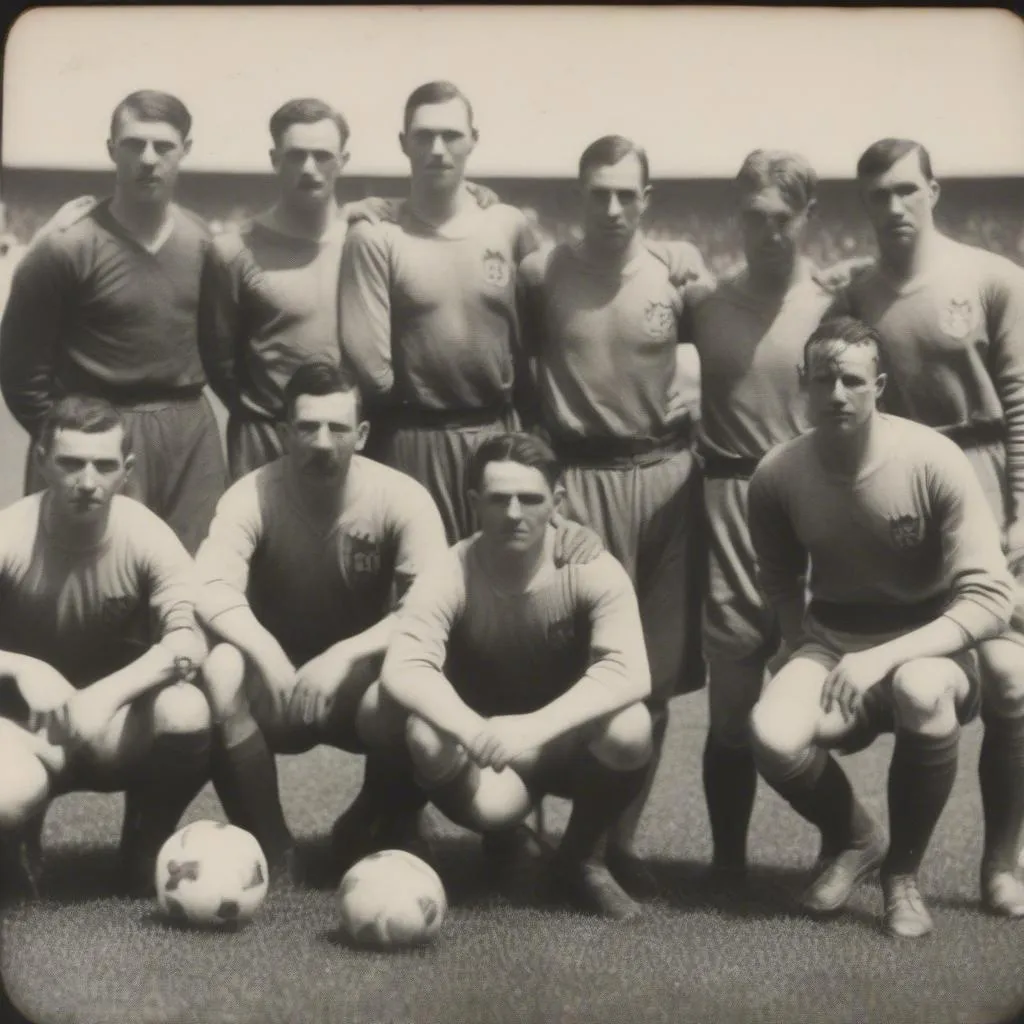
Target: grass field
[[697, 955]]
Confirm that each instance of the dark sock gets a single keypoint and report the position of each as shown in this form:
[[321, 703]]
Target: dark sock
[[1001, 773], [245, 779], [623, 836], [730, 783], [820, 792], [921, 777]]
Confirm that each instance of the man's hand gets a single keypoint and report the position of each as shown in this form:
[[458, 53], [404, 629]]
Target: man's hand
[[852, 678], [482, 194], [575, 544], [841, 274], [1015, 548], [280, 678], [83, 718], [70, 213], [373, 209], [316, 684], [503, 739]]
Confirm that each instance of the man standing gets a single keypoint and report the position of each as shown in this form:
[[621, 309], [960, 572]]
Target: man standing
[[951, 319], [269, 299], [750, 333], [906, 576], [428, 317], [600, 319], [108, 307], [524, 678], [98, 649]]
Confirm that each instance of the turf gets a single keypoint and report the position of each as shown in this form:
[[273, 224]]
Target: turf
[[697, 954]]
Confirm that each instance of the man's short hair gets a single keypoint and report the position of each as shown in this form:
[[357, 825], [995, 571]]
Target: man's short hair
[[84, 413], [306, 110], [848, 330], [609, 150], [881, 155], [434, 92], [150, 105], [526, 449], [791, 173], [318, 377]]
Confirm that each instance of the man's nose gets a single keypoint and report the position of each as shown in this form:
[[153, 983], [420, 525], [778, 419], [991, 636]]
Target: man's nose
[[614, 206], [89, 479], [437, 146], [322, 439], [150, 156], [309, 165], [515, 509]]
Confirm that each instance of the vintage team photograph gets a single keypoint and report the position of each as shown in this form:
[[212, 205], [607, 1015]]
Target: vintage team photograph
[[512, 515]]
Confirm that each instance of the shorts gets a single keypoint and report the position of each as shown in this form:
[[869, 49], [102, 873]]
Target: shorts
[[648, 514], [737, 622], [437, 458], [875, 715], [179, 470], [251, 443]]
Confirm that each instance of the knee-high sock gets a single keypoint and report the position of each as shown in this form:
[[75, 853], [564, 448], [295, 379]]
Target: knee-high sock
[[623, 835], [921, 777], [730, 783], [1001, 773], [245, 779]]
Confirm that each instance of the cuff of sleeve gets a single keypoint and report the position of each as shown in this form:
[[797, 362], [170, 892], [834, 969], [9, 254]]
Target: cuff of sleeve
[[976, 623]]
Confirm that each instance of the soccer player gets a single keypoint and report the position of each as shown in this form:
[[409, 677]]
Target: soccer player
[[906, 576], [951, 318], [428, 317], [269, 299], [108, 307], [301, 572], [523, 678], [98, 647], [600, 319], [749, 332]]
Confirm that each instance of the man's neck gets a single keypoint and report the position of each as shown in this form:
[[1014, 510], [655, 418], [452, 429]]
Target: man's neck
[[514, 571], [849, 455], [145, 221], [436, 207], [775, 285], [903, 264], [307, 222], [323, 500], [71, 534], [612, 259]]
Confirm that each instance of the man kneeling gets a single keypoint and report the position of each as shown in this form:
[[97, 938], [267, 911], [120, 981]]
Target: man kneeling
[[906, 577], [98, 647], [523, 677]]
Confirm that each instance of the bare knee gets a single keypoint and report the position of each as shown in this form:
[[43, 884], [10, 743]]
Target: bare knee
[[24, 787], [921, 693], [223, 676], [1002, 672], [380, 719], [625, 741], [775, 728], [435, 757], [180, 709]]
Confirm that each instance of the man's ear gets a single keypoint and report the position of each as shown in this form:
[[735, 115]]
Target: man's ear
[[282, 432], [186, 146], [801, 376], [110, 148], [362, 434], [129, 465], [559, 499], [936, 190], [274, 158], [880, 381], [344, 159]]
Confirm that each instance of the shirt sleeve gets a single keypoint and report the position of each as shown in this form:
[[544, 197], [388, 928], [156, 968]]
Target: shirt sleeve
[[618, 654], [526, 240], [983, 589], [42, 291], [225, 556], [171, 576], [220, 322], [365, 296], [421, 538], [1003, 300]]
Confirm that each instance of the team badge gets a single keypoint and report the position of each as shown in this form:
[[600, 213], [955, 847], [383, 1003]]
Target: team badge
[[958, 318], [907, 531], [115, 609], [659, 320], [363, 556], [497, 271]]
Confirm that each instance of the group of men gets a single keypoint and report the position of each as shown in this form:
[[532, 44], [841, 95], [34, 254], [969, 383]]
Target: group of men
[[492, 506]]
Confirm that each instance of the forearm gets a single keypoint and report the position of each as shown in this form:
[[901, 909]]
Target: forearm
[[151, 670], [939, 639], [587, 701], [371, 642], [240, 627], [429, 695]]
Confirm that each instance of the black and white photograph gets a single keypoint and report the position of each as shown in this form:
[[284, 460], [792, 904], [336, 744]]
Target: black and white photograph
[[512, 515]]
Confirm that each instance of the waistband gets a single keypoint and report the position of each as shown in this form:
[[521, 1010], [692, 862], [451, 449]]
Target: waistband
[[407, 417], [876, 618], [140, 396], [976, 433], [727, 467], [620, 451]]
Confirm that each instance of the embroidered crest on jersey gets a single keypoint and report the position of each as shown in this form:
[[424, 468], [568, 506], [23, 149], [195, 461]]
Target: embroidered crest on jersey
[[957, 319], [363, 555], [659, 320], [497, 270], [907, 531], [115, 609]]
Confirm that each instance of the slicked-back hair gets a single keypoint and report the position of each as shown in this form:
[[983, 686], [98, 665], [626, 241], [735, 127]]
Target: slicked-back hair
[[83, 413], [318, 377], [525, 449], [435, 92], [608, 151], [881, 155], [791, 173], [306, 110], [850, 332], [151, 105]]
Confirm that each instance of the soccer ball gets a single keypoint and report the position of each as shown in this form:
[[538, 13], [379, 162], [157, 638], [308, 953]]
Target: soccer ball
[[211, 873], [391, 899]]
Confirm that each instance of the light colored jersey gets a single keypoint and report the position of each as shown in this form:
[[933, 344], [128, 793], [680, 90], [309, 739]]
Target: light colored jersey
[[750, 351], [512, 653], [313, 583], [604, 340], [269, 303], [91, 612], [912, 527], [428, 314], [954, 343]]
